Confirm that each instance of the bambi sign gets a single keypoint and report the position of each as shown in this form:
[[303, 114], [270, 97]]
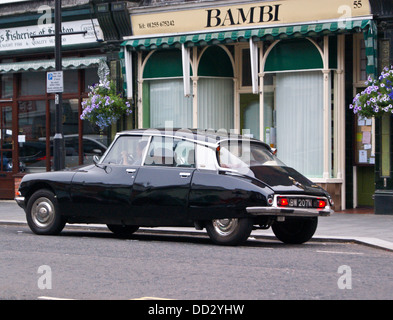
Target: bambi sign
[[247, 15]]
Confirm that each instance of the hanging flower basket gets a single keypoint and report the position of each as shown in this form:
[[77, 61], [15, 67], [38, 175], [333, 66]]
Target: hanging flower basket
[[377, 99], [104, 106]]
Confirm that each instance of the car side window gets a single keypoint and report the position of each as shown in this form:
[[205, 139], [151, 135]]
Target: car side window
[[170, 152], [128, 150], [184, 154]]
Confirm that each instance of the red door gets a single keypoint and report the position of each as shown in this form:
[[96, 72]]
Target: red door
[[6, 151]]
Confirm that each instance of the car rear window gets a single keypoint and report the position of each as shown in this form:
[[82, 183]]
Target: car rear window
[[235, 154]]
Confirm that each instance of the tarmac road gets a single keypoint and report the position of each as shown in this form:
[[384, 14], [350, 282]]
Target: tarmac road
[[370, 229]]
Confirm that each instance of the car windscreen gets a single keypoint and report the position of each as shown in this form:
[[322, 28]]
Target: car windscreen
[[236, 154]]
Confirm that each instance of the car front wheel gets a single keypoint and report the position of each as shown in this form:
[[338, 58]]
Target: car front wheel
[[229, 231], [42, 213], [295, 231]]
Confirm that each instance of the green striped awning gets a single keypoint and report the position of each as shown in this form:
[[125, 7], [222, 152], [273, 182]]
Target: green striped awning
[[45, 65], [274, 33]]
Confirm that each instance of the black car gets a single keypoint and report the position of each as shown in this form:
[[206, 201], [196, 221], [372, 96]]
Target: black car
[[228, 184]]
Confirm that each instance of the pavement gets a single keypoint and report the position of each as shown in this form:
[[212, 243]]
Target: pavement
[[355, 225]]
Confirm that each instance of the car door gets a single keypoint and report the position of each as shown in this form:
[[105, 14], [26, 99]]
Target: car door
[[162, 185], [102, 192]]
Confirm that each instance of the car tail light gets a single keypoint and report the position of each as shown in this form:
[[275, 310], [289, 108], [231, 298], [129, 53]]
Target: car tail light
[[321, 203], [282, 202]]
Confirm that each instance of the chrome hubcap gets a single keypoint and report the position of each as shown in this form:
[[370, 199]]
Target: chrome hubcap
[[42, 212], [225, 227]]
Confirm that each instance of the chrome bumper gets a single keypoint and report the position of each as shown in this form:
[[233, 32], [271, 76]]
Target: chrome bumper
[[275, 211], [20, 201], [289, 212]]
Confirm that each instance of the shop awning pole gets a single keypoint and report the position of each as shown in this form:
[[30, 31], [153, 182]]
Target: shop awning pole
[[186, 70], [254, 66]]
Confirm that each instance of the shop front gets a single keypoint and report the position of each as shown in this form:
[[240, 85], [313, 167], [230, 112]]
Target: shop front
[[272, 70], [27, 110]]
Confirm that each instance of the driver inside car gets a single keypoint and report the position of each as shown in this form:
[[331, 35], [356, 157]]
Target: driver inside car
[[134, 158]]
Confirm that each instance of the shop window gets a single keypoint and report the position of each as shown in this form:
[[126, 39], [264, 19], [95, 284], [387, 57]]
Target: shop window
[[294, 120], [215, 90], [91, 77], [215, 104], [249, 114], [164, 64], [293, 105], [32, 83], [163, 91], [32, 135], [6, 90], [215, 62], [167, 103], [246, 68], [294, 55], [359, 60], [70, 81]]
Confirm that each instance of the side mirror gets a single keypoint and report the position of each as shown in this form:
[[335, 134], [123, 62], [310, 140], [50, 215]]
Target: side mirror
[[97, 152], [96, 159], [274, 150]]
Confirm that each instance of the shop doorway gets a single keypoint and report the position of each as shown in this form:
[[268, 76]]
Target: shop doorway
[[6, 143]]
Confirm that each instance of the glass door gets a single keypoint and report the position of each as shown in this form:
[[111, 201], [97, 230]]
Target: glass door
[[6, 148]]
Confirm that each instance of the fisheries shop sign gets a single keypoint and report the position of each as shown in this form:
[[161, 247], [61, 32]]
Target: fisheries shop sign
[[20, 38]]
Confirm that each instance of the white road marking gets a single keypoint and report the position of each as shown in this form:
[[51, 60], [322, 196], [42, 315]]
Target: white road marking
[[52, 298], [340, 252]]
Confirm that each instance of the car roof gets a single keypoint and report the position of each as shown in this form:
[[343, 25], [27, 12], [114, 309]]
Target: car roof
[[212, 137]]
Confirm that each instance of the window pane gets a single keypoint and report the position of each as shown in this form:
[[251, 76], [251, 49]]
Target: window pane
[[6, 138], [91, 77], [215, 103], [167, 103], [299, 109], [246, 68], [32, 135], [33, 83], [70, 130], [6, 86], [70, 80]]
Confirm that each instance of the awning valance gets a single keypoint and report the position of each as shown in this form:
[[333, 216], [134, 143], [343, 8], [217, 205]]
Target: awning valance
[[45, 65], [271, 33]]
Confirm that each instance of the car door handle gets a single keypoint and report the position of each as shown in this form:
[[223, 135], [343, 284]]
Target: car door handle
[[130, 170], [184, 174]]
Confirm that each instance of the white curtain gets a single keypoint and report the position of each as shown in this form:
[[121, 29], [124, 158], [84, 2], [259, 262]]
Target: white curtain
[[167, 103], [299, 98], [215, 103]]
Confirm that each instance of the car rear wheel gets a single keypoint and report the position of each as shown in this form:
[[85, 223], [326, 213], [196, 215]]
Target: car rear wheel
[[295, 231], [122, 231], [229, 231], [42, 213]]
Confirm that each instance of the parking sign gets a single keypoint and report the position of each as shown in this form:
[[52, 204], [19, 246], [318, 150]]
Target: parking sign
[[54, 82]]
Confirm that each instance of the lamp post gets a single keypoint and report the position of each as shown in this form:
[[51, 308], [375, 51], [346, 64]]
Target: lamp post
[[58, 139]]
